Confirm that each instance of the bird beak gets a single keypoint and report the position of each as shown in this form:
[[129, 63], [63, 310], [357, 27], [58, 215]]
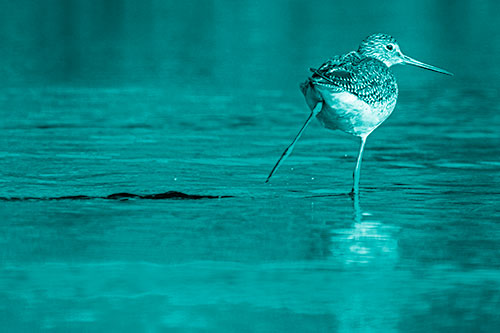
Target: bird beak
[[411, 61]]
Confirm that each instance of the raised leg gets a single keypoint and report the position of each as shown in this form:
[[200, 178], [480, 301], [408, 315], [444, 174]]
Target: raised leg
[[289, 150], [357, 169]]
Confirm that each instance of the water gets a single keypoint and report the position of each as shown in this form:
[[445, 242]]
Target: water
[[125, 105]]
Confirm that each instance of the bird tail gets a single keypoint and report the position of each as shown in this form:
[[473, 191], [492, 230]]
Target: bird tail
[[312, 96], [303, 86]]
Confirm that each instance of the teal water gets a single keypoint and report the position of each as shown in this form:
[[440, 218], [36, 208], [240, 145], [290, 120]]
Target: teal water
[[202, 98]]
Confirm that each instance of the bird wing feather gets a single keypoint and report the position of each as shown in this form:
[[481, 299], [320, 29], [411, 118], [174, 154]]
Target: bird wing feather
[[367, 78]]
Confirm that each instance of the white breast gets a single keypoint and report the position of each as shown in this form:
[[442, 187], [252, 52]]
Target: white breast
[[346, 112]]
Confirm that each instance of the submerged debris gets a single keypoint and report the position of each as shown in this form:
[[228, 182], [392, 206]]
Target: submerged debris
[[123, 196]]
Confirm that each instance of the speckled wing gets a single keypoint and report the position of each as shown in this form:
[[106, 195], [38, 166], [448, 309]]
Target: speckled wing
[[367, 78]]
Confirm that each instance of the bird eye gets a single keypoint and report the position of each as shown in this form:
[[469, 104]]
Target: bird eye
[[390, 47]]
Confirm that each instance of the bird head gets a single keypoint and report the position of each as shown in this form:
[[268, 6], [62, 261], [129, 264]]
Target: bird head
[[386, 49]]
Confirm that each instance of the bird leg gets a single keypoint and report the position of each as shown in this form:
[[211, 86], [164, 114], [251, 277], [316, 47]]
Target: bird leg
[[288, 151], [357, 169]]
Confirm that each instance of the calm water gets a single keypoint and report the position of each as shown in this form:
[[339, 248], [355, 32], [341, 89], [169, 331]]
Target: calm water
[[202, 98]]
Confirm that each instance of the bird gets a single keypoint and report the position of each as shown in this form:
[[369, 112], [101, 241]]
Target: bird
[[355, 92]]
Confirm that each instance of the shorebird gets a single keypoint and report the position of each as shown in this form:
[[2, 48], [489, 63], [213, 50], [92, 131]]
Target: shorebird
[[355, 92]]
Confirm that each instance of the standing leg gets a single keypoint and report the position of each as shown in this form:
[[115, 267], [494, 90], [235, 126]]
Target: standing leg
[[357, 169]]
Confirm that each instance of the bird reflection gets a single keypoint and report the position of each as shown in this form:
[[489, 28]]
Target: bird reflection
[[367, 241]]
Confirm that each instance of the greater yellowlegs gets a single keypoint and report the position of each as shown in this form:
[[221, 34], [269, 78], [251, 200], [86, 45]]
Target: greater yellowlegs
[[355, 92]]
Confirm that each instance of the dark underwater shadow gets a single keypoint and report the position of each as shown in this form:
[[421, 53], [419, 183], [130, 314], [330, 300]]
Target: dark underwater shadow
[[173, 195]]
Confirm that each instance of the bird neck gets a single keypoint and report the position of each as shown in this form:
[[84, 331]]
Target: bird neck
[[376, 56]]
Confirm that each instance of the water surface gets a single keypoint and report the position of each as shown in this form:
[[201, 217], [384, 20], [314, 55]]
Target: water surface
[[139, 110]]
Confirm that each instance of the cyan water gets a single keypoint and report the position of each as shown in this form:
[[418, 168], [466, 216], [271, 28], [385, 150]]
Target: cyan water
[[201, 97]]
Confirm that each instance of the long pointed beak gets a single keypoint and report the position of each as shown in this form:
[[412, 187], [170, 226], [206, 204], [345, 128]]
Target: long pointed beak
[[411, 61]]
